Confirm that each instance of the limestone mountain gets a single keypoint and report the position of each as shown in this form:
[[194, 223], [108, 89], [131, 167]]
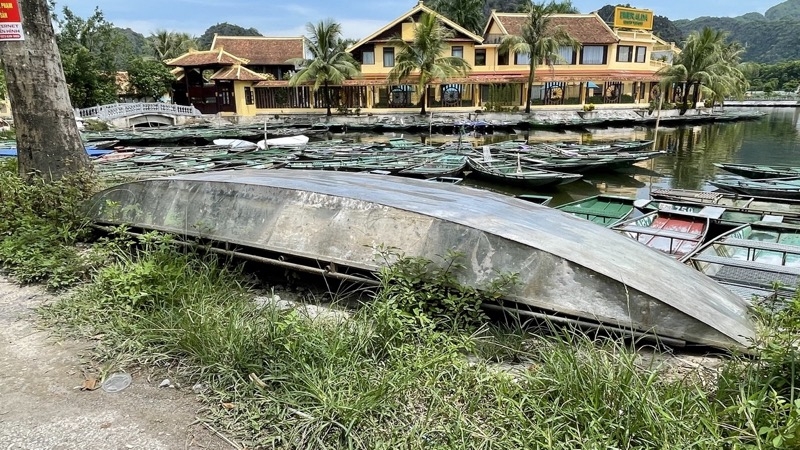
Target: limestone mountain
[[790, 9]]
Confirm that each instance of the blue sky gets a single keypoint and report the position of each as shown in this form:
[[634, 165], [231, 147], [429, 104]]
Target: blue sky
[[359, 18]]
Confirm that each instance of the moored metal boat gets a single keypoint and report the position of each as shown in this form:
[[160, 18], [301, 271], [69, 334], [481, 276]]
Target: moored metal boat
[[758, 171], [518, 174], [766, 187], [332, 223], [761, 259], [605, 210], [671, 232], [785, 207]]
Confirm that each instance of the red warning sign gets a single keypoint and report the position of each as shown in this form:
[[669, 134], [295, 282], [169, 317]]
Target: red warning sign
[[10, 21]]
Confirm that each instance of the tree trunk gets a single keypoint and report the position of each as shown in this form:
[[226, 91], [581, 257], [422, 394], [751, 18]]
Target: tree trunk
[[530, 88], [695, 94], [684, 98], [48, 141], [327, 99], [423, 100]]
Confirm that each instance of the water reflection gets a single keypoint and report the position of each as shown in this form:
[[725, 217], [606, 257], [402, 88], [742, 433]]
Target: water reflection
[[689, 164]]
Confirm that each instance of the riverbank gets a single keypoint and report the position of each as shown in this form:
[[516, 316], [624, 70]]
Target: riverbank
[[452, 122]]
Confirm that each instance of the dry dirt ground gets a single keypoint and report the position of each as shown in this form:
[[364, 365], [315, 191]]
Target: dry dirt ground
[[41, 409]]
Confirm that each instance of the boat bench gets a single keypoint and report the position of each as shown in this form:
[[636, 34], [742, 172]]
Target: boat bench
[[772, 268], [661, 233], [589, 212], [762, 245]]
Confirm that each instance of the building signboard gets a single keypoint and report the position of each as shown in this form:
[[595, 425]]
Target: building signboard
[[10, 21], [638, 19]]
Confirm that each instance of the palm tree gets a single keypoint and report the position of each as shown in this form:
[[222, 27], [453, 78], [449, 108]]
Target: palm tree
[[706, 61], [539, 40], [423, 56], [329, 63], [467, 13], [731, 79], [165, 44]]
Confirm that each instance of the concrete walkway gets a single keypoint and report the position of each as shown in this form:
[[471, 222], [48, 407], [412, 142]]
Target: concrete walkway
[[41, 409]]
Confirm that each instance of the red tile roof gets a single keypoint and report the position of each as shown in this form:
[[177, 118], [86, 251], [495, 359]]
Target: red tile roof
[[207, 58], [585, 28], [238, 73], [260, 50]]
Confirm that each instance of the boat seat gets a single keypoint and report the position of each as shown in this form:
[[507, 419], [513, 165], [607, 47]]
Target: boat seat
[[589, 212], [661, 233], [762, 245], [772, 218], [712, 212], [763, 267]]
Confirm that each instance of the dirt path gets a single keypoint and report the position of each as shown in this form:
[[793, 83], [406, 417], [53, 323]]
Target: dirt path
[[41, 409]]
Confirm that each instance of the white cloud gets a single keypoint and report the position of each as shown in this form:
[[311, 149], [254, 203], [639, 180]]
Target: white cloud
[[361, 28]]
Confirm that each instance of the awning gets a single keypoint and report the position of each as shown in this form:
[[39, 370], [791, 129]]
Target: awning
[[591, 85]]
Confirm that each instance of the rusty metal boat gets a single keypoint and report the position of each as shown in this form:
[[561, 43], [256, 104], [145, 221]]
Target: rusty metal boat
[[569, 269]]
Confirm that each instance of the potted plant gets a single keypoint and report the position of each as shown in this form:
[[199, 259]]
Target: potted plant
[[588, 111]]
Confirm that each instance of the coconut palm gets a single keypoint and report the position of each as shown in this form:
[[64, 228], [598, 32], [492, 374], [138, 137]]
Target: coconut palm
[[329, 63], [423, 56], [539, 40], [165, 44], [731, 79], [706, 61]]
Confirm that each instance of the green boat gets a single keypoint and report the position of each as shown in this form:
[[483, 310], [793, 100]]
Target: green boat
[[443, 166], [760, 171], [519, 174], [760, 259], [732, 216], [606, 210]]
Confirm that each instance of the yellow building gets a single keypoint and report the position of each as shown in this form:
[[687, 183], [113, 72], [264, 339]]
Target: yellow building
[[614, 65]]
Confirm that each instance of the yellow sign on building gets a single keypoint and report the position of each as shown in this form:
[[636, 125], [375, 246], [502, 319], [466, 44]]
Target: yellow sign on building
[[640, 19]]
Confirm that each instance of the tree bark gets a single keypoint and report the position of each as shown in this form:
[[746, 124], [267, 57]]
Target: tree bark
[[49, 144], [327, 100], [422, 100], [530, 87]]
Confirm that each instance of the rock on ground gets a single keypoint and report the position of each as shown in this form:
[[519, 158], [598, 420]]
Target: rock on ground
[[41, 409]]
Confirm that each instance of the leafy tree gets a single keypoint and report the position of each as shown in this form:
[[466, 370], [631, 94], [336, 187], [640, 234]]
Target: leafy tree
[[539, 41], [706, 60], [49, 145], [223, 29], [423, 56], [329, 63], [467, 13], [163, 44], [729, 79], [92, 51], [505, 6], [149, 78]]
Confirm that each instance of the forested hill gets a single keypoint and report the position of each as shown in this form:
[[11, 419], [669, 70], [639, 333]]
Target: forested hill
[[769, 38]]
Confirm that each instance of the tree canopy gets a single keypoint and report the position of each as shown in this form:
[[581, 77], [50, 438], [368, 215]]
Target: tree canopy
[[662, 26], [538, 41], [92, 52], [329, 63], [223, 29], [467, 13], [149, 78], [163, 44], [423, 56]]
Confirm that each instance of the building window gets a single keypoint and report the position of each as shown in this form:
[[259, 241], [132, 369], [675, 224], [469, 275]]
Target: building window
[[458, 51], [522, 59], [248, 96], [388, 57], [502, 58], [624, 53], [593, 54], [368, 57], [480, 56], [566, 56], [641, 54]]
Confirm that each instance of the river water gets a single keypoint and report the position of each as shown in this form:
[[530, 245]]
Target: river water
[[689, 163]]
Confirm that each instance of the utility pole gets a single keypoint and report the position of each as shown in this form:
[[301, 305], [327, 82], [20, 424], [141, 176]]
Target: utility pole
[[49, 144]]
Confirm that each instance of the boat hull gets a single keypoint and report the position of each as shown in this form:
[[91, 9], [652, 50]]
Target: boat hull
[[565, 265]]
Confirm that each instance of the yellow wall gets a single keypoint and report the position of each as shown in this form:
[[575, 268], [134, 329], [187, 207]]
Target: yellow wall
[[378, 69], [241, 108]]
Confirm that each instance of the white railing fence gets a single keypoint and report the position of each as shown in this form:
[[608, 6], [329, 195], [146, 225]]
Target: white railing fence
[[117, 110]]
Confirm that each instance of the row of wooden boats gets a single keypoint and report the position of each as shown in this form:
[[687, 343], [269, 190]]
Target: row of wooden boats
[[749, 245], [760, 180], [514, 163]]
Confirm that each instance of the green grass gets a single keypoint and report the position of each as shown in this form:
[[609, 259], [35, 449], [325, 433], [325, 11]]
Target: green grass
[[375, 382]]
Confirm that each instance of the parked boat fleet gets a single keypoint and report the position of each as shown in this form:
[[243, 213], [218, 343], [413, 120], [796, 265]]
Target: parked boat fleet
[[748, 240]]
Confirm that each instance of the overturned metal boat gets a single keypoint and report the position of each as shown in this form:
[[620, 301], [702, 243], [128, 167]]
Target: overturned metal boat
[[569, 269]]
